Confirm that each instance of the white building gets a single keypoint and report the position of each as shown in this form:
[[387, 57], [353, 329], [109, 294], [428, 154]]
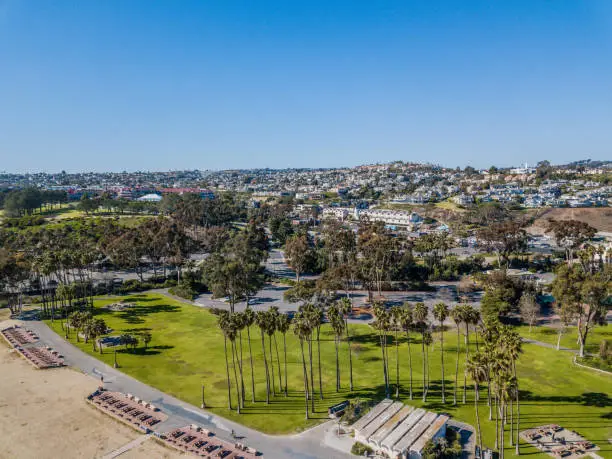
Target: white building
[[399, 431], [390, 217]]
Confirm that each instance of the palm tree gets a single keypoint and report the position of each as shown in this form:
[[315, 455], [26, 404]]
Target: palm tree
[[420, 318], [270, 331], [274, 317], [302, 331], [345, 309], [396, 315], [477, 369], [440, 312], [238, 324], [457, 315], [283, 325], [231, 333], [261, 318], [406, 324], [223, 324], [513, 347], [381, 324], [248, 317], [337, 323], [470, 317]]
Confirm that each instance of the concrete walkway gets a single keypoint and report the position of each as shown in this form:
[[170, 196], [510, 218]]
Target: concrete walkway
[[133, 444], [306, 445], [548, 345]]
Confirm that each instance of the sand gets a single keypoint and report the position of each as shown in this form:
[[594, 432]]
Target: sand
[[43, 414]]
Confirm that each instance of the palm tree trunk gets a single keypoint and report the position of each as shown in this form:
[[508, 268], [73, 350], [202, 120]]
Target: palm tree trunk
[[477, 420], [319, 362], [348, 341], [397, 367], [229, 392], [251, 358], [442, 359], [382, 350], [496, 423], [234, 358], [467, 355], [263, 346], [456, 368], [409, 360], [337, 365], [240, 362], [518, 414], [272, 377], [280, 374], [305, 377], [424, 373], [311, 393], [285, 351]]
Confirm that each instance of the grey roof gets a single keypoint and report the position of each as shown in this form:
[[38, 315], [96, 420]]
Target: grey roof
[[380, 420], [414, 433], [372, 414], [429, 433], [403, 428], [391, 424]]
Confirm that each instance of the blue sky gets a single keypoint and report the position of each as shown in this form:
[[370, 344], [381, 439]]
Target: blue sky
[[157, 85]]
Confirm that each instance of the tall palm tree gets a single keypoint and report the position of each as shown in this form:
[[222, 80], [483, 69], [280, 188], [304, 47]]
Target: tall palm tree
[[307, 313], [420, 318], [238, 324], [440, 312], [477, 370], [406, 324], [273, 322], [512, 345], [223, 324], [248, 318], [283, 325], [317, 321], [457, 315], [346, 308], [470, 316], [396, 316], [381, 325], [232, 333], [302, 331], [261, 319], [337, 324]]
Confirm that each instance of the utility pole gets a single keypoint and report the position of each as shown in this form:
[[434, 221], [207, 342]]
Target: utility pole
[[203, 402], [115, 365]]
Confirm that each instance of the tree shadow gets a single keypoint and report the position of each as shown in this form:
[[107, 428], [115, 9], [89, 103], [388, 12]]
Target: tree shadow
[[134, 315]]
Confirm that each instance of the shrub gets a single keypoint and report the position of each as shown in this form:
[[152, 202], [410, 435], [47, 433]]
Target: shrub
[[359, 449], [183, 291]]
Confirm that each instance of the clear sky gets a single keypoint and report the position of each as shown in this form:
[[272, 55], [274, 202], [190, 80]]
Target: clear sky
[[211, 84]]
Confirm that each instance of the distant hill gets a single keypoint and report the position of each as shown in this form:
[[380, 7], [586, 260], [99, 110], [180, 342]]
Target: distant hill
[[598, 217]]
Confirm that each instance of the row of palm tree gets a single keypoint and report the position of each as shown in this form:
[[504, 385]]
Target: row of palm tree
[[493, 364]]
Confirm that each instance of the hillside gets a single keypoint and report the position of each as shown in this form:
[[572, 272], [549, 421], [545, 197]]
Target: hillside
[[599, 218]]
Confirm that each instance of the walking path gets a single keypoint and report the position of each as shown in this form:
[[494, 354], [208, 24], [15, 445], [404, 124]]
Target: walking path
[[548, 345], [306, 445], [133, 444]]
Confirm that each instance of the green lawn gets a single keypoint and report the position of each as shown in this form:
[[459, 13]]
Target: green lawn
[[187, 351], [570, 338]]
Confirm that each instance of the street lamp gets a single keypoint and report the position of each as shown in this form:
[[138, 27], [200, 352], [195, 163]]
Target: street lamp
[[115, 365]]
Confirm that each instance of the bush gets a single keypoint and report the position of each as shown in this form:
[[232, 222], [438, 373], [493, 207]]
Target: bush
[[359, 449], [183, 291]]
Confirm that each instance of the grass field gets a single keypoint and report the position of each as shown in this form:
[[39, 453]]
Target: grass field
[[187, 351], [570, 337]]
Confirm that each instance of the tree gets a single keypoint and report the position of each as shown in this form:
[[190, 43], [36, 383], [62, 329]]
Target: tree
[[570, 234], [298, 252], [406, 323], [261, 319], [529, 309], [440, 312], [337, 323], [224, 325], [419, 315], [381, 325], [302, 331], [457, 313], [283, 325], [584, 294], [477, 370], [503, 239], [345, 308], [248, 318], [146, 338]]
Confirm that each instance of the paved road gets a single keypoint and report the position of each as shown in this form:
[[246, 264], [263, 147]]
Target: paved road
[[307, 445]]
